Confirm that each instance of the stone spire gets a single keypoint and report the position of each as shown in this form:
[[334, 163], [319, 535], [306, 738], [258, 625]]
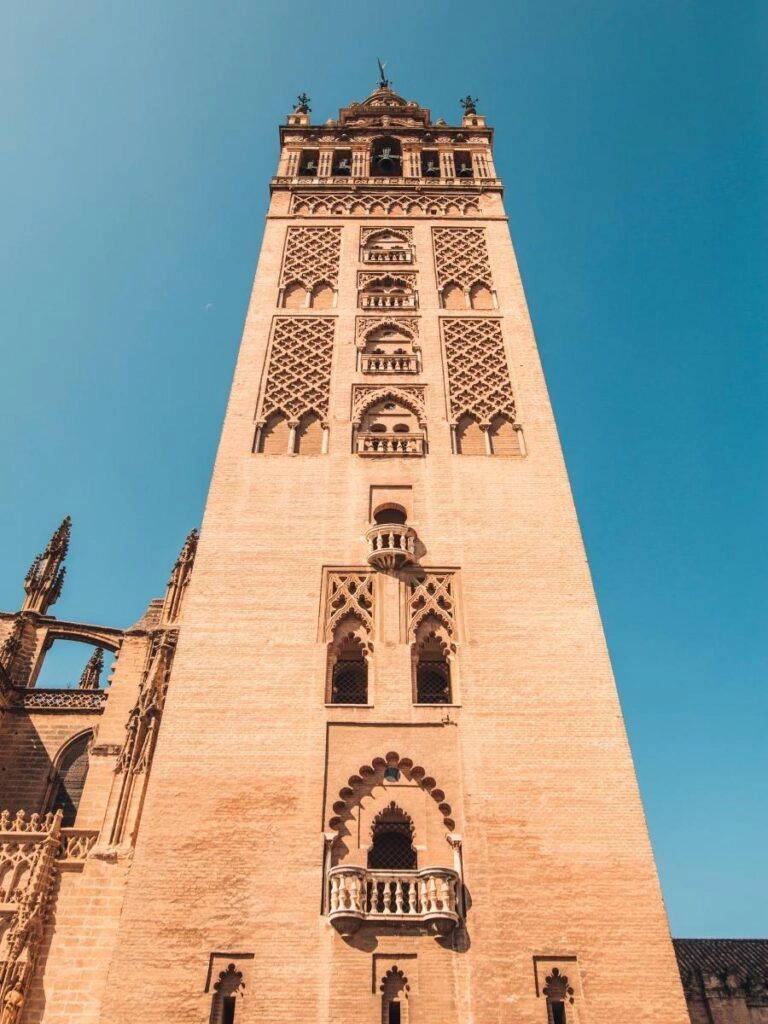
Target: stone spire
[[44, 580], [177, 584], [91, 676]]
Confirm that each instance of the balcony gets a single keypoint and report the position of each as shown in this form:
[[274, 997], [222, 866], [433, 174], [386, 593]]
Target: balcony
[[391, 546], [388, 300], [371, 442], [382, 362], [429, 897], [386, 256]]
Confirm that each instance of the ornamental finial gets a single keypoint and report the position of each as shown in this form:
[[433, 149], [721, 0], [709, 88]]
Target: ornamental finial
[[44, 580], [469, 104], [302, 104], [383, 80]]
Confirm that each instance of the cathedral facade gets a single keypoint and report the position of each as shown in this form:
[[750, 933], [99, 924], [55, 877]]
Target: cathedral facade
[[365, 762]]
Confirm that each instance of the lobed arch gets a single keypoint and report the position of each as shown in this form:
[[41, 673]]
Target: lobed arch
[[403, 327], [391, 393], [383, 234], [371, 775]]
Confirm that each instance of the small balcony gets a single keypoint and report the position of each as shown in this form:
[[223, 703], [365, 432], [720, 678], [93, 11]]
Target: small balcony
[[370, 442], [388, 300], [383, 362], [429, 897], [387, 256], [391, 546]]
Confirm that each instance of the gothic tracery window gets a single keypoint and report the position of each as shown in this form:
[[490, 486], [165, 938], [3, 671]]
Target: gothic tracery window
[[69, 780]]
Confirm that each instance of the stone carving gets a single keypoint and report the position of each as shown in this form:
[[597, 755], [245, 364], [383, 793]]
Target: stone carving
[[299, 374], [479, 384], [311, 255], [461, 257], [91, 676], [68, 700], [76, 844], [431, 595], [411, 396], [367, 325], [380, 203], [45, 578], [179, 581], [28, 848], [350, 596]]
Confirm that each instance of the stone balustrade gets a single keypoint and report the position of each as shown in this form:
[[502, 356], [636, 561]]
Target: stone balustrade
[[387, 256], [387, 300], [429, 896], [391, 545], [460, 182], [76, 844], [370, 442], [386, 363]]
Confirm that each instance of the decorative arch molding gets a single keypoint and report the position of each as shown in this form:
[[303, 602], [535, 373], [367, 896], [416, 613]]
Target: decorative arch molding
[[368, 325], [370, 775], [363, 397]]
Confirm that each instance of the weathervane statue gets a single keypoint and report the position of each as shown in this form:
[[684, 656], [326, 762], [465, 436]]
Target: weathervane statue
[[383, 80]]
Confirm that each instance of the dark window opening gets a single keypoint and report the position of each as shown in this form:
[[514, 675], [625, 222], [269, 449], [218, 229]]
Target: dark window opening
[[228, 1010], [430, 163], [70, 780], [463, 164], [392, 851], [391, 774], [308, 163], [350, 681], [557, 1012], [342, 163], [386, 158], [433, 682], [394, 1013], [389, 515]]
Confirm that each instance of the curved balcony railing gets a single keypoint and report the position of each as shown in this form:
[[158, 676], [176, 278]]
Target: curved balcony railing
[[357, 895], [391, 545], [387, 256], [387, 300], [370, 442], [383, 363]]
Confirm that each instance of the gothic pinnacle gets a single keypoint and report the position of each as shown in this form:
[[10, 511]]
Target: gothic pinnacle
[[45, 578]]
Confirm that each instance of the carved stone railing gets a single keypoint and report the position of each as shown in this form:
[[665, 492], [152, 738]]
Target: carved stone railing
[[387, 300], [387, 256], [76, 844], [63, 699], [386, 363], [370, 442], [441, 183], [391, 545], [429, 897]]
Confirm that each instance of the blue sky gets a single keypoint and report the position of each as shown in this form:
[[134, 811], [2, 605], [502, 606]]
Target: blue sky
[[138, 140]]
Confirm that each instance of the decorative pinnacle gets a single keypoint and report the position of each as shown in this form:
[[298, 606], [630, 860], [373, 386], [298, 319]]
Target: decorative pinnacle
[[384, 82], [45, 578], [91, 676], [469, 104], [302, 104], [179, 580]]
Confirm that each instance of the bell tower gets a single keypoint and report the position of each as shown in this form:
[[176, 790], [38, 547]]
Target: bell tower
[[392, 783]]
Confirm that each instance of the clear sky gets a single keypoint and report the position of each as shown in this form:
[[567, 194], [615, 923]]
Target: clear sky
[[138, 138]]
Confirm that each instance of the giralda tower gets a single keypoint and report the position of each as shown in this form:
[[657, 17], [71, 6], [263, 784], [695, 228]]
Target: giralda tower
[[392, 783]]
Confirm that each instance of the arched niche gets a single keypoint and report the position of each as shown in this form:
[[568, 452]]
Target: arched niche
[[70, 772], [386, 158]]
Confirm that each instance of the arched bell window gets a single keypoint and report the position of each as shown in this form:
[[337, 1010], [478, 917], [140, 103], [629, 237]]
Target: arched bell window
[[386, 158], [392, 846], [69, 779]]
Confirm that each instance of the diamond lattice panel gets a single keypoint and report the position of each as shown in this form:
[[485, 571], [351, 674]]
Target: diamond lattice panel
[[461, 256], [478, 375], [311, 256], [299, 375]]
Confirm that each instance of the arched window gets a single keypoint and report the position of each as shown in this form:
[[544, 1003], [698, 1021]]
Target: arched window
[[453, 297], [394, 997], [390, 514], [558, 993], [386, 158], [480, 296], [69, 780], [504, 439], [309, 435], [294, 296], [349, 672], [392, 846], [469, 437], [322, 296], [226, 992], [274, 436], [432, 668]]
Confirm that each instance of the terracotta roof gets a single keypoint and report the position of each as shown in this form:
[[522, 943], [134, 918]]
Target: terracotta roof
[[717, 955]]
